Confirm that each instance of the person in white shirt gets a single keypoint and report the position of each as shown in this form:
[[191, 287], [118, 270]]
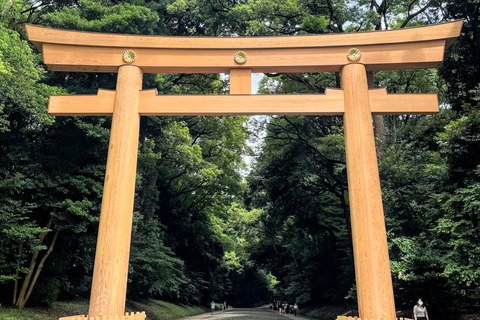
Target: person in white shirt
[[420, 311], [295, 308]]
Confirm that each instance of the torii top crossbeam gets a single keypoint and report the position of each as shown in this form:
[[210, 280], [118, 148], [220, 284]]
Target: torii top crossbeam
[[421, 47], [351, 54], [413, 48]]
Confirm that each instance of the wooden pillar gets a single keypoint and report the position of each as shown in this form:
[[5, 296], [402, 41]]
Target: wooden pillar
[[372, 264], [113, 245], [240, 81]]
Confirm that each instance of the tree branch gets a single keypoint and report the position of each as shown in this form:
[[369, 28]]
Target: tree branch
[[413, 15]]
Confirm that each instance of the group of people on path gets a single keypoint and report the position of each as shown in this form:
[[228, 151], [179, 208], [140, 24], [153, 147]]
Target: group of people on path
[[222, 306], [419, 310], [286, 308]]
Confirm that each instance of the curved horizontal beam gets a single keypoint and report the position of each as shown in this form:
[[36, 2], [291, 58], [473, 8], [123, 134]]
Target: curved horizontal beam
[[445, 31], [414, 48]]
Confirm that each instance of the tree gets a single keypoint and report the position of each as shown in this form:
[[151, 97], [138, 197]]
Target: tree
[[154, 270], [300, 182], [462, 65]]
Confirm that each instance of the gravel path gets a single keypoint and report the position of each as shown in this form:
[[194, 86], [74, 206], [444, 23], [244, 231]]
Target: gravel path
[[262, 313]]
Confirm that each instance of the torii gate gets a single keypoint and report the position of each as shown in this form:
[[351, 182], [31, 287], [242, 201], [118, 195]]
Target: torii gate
[[351, 54]]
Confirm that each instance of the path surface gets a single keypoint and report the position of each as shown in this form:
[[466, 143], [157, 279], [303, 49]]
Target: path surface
[[262, 313]]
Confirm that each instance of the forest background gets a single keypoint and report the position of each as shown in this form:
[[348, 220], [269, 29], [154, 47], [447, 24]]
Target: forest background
[[206, 227]]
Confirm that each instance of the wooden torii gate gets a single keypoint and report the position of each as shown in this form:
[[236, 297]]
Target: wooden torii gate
[[350, 54]]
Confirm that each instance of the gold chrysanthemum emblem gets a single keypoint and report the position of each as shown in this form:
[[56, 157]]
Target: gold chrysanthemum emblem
[[240, 57], [129, 56], [354, 54]]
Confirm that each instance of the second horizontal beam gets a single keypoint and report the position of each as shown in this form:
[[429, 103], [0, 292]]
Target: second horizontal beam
[[331, 103]]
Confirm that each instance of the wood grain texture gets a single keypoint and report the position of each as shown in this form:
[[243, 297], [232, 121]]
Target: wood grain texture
[[331, 103], [414, 55], [100, 104], [384, 103], [372, 264], [109, 283], [445, 31], [240, 81]]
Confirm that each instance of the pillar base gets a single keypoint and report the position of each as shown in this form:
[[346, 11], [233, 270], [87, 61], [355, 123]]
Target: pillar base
[[356, 318], [131, 316]]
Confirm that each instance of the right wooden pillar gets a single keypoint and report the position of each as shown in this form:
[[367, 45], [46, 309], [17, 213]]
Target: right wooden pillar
[[372, 264]]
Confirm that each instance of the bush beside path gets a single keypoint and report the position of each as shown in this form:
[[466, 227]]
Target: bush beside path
[[155, 310]]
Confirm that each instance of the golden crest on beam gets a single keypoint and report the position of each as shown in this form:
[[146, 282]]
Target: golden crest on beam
[[354, 54], [129, 56], [240, 57]]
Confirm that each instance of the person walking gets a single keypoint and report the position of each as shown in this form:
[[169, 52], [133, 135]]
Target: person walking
[[295, 308], [420, 311], [212, 306]]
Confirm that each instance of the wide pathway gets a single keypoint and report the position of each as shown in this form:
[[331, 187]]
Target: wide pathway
[[262, 313]]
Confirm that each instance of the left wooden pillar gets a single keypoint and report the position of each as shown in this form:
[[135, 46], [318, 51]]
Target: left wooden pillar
[[110, 273]]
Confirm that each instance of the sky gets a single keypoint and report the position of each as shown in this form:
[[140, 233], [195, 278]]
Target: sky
[[253, 142], [256, 77]]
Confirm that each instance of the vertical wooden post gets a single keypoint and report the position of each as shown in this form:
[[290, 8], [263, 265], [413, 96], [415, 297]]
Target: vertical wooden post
[[240, 81], [372, 264], [113, 245]]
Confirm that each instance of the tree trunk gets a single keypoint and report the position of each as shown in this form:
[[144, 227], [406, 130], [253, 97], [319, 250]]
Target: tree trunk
[[151, 210], [40, 267], [338, 83], [299, 267], [346, 215], [15, 288], [378, 125], [22, 299]]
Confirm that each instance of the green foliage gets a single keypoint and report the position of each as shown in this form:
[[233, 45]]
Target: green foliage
[[313, 24], [154, 271], [459, 141], [249, 282], [430, 188], [18, 235], [155, 310], [159, 310], [18, 314], [301, 184], [188, 167], [47, 292], [189, 171], [461, 68], [19, 75], [95, 16], [458, 227]]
